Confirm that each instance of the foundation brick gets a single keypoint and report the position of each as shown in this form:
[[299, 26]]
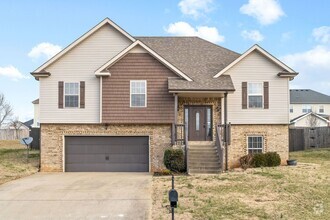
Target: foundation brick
[[276, 139]]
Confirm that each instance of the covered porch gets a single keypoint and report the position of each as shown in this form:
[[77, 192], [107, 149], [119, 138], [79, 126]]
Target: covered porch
[[201, 129]]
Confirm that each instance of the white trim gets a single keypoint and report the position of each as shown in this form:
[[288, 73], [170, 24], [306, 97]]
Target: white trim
[[130, 93], [247, 143], [80, 39], [256, 94], [63, 153], [101, 99], [262, 51], [100, 70], [68, 95]]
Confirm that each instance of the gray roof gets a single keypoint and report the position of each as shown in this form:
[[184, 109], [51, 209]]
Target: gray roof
[[28, 123], [35, 101], [308, 96], [197, 58]]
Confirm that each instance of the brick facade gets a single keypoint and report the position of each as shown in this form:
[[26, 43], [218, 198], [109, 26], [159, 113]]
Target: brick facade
[[276, 138], [52, 141]]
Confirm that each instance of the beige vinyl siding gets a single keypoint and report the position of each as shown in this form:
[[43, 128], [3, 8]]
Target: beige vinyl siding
[[256, 68], [297, 109], [78, 65]]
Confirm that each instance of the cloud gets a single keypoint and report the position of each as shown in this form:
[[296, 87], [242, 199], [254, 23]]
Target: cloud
[[253, 35], [12, 72], [195, 8], [184, 29], [313, 67], [45, 49], [265, 11], [322, 34]]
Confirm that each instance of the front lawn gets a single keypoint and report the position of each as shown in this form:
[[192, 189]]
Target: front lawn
[[301, 192], [14, 163]]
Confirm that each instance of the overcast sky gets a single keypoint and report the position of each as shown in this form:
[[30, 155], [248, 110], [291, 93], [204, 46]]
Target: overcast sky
[[295, 31]]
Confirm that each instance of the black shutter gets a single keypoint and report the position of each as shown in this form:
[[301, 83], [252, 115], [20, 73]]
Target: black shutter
[[244, 95], [82, 94], [60, 94], [266, 95]]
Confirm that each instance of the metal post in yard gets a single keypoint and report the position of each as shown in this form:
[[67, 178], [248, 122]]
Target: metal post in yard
[[172, 188]]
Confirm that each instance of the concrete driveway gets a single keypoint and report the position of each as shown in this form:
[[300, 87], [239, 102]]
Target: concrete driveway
[[77, 196]]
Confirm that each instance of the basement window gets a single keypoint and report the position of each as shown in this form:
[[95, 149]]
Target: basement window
[[255, 144]]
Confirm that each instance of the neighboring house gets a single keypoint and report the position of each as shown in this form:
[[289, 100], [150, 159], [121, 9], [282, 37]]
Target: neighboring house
[[36, 122], [111, 102], [303, 101], [29, 123], [309, 120]]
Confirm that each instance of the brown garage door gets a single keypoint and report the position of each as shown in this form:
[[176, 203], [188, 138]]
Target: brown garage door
[[106, 154]]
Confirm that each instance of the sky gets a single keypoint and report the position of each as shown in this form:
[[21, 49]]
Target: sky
[[295, 31]]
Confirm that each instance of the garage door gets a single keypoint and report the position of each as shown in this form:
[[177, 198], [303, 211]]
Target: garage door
[[106, 154]]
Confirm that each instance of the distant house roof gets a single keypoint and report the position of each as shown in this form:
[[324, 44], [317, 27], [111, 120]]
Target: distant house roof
[[35, 101], [28, 123], [308, 96]]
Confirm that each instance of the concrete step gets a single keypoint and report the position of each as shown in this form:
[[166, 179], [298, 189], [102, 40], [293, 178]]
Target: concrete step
[[202, 153], [204, 171], [192, 143], [202, 147], [205, 167], [203, 164], [209, 149], [203, 159]]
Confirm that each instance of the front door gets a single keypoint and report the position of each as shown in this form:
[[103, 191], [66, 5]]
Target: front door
[[199, 123]]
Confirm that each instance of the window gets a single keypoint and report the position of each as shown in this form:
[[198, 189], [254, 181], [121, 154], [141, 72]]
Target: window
[[138, 92], [197, 121], [255, 95], [306, 108], [321, 109], [71, 95], [255, 144], [291, 109]]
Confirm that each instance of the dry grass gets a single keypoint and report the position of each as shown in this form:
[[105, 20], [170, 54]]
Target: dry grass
[[301, 192], [14, 163]]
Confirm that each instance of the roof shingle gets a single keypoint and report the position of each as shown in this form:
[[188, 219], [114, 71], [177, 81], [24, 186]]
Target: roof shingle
[[197, 58], [308, 96]]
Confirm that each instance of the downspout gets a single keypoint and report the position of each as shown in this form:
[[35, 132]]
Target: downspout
[[225, 132]]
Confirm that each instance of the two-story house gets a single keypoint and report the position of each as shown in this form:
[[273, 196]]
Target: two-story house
[[308, 107], [114, 102]]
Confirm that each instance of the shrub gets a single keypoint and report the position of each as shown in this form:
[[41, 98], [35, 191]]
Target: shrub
[[269, 159], [273, 159], [163, 172], [174, 160], [259, 160], [246, 161]]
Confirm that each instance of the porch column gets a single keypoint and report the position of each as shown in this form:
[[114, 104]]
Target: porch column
[[225, 131], [175, 108]]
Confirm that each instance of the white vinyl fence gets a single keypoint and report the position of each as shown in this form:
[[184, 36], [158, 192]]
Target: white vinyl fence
[[12, 134]]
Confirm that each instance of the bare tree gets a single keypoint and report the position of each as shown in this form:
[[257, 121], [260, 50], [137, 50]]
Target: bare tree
[[16, 124], [312, 120], [6, 111]]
